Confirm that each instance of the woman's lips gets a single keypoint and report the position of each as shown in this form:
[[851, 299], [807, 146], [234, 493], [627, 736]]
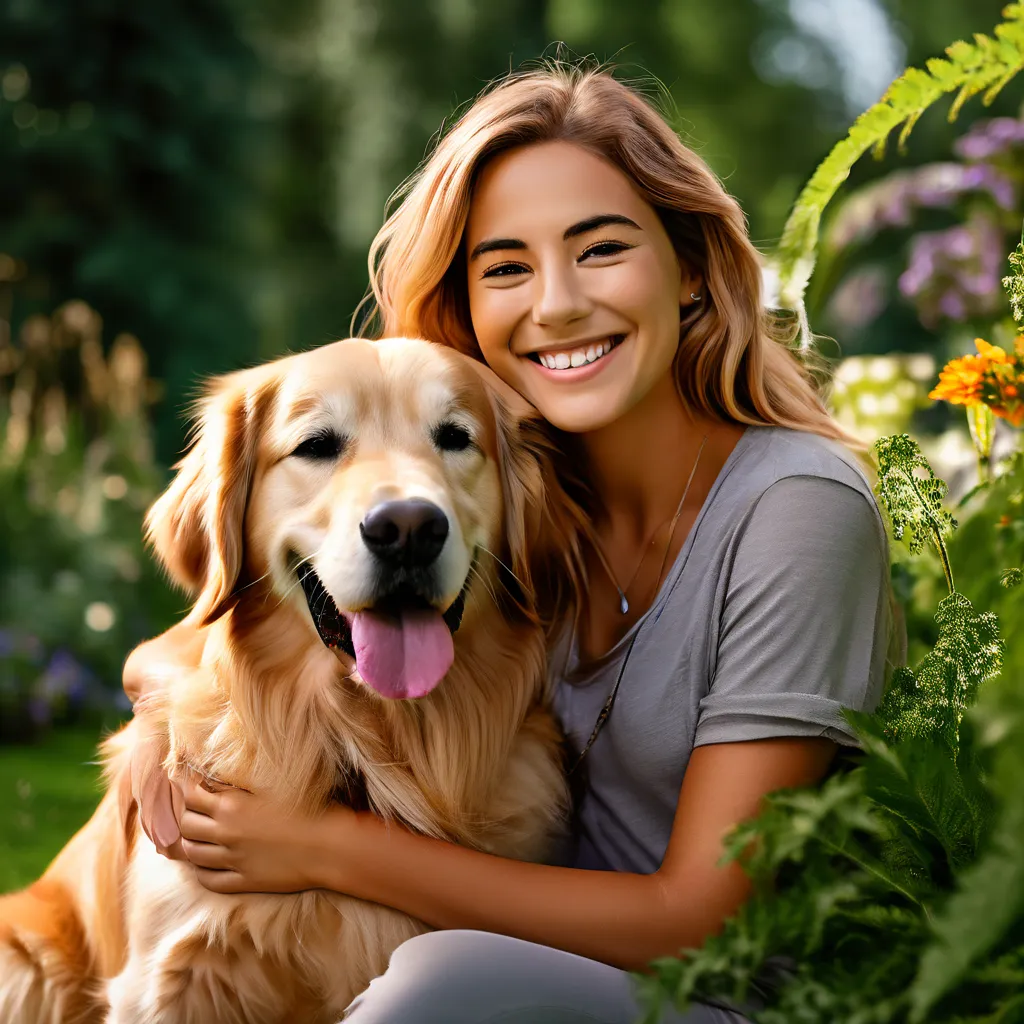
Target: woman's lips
[[576, 374]]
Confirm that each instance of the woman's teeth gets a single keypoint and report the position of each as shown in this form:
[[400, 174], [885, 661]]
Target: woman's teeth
[[577, 356]]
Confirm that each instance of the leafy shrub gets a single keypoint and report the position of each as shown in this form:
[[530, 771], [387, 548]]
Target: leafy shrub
[[77, 588], [894, 894]]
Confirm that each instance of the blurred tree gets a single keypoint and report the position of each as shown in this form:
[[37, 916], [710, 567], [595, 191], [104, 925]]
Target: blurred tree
[[138, 140], [207, 174]]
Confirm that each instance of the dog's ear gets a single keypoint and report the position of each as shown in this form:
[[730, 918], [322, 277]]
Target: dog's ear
[[196, 525]]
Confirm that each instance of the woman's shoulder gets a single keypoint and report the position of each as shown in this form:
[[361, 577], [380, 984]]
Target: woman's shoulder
[[769, 455]]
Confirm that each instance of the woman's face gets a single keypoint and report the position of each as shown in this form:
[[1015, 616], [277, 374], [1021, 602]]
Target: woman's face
[[574, 287]]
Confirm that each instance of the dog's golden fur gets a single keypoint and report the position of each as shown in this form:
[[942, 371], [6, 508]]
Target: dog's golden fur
[[115, 932]]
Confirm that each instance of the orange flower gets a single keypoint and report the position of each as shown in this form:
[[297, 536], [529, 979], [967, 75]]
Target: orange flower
[[991, 353], [1009, 391], [1014, 416], [960, 381]]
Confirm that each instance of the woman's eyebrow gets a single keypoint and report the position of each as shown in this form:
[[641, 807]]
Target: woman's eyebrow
[[579, 228], [593, 223]]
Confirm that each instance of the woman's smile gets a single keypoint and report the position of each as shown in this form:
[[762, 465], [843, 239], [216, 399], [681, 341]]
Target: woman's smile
[[576, 361]]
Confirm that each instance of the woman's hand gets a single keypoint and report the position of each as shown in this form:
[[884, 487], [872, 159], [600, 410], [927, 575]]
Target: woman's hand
[[148, 673], [242, 842]]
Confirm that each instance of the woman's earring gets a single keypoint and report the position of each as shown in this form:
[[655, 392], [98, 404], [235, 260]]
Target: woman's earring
[[696, 298]]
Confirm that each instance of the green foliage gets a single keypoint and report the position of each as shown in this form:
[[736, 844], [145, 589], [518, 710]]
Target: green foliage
[[1014, 283], [912, 497], [1011, 578], [989, 902], [77, 588], [894, 893], [929, 700], [983, 66]]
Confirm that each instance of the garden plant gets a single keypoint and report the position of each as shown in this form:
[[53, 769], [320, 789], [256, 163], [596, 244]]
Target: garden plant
[[895, 891]]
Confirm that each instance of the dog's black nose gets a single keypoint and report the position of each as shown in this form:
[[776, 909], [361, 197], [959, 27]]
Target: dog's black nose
[[412, 532]]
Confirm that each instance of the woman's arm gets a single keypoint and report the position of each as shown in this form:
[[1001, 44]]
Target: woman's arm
[[625, 920], [149, 669]]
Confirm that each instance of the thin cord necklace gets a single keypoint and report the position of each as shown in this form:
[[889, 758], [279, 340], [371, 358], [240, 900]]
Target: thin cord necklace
[[623, 602], [606, 710]]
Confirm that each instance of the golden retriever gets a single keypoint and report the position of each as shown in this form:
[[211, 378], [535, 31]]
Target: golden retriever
[[359, 525]]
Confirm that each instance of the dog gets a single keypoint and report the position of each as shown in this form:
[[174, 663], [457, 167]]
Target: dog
[[363, 526]]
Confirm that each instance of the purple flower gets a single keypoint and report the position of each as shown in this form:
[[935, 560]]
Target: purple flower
[[955, 274], [64, 678], [892, 201], [859, 298], [989, 138]]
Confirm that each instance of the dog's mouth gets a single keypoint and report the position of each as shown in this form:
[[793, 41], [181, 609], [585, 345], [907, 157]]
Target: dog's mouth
[[402, 645]]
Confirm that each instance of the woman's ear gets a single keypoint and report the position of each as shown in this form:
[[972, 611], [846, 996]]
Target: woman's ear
[[196, 526], [691, 284]]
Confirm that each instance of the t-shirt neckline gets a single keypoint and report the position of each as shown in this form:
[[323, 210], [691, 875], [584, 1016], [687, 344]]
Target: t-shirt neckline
[[577, 673]]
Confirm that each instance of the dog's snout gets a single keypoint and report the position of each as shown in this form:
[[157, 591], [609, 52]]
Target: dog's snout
[[412, 532]]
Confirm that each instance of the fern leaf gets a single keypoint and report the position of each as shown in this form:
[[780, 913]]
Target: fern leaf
[[1014, 283], [1010, 578], [990, 898], [930, 701], [912, 496], [984, 65]]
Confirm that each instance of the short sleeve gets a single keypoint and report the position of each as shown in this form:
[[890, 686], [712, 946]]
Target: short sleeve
[[805, 620]]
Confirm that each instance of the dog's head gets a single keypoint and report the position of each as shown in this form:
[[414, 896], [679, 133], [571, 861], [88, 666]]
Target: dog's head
[[369, 487]]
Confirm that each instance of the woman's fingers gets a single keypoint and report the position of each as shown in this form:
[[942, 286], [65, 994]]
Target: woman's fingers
[[200, 828], [207, 855], [199, 798], [221, 881]]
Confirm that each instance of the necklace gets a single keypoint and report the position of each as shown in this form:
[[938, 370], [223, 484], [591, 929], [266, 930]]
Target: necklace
[[623, 602], [606, 710]]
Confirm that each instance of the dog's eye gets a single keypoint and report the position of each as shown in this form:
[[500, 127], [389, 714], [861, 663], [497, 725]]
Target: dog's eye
[[326, 445], [450, 437]]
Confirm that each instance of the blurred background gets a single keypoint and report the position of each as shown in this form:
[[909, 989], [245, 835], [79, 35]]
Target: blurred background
[[189, 187]]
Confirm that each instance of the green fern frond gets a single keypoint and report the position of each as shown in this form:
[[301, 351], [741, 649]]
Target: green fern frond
[[1010, 578], [989, 902], [1014, 283], [929, 701], [912, 496], [982, 66]]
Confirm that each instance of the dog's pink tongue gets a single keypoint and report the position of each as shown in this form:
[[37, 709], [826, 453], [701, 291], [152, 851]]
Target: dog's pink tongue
[[402, 656]]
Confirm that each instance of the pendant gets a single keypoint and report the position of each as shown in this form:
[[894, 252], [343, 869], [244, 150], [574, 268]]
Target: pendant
[[623, 603]]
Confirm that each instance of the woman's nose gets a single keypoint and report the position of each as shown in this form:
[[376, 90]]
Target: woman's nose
[[559, 299]]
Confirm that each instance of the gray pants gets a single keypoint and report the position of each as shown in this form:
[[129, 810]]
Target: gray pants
[[467, 977]]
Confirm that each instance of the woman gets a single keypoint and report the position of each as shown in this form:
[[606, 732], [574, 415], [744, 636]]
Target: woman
[[736, 593]]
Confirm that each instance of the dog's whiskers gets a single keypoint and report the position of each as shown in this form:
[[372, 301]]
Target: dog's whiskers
[[485, 583], [296, 582], [504, 566]]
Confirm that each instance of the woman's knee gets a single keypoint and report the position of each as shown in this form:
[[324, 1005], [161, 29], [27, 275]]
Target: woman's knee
[[468, 977], [428, 979]]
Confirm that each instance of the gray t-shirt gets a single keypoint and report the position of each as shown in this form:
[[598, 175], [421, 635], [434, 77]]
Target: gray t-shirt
[[774, 616]]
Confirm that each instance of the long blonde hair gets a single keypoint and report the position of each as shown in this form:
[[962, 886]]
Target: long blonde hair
[[733, 361]]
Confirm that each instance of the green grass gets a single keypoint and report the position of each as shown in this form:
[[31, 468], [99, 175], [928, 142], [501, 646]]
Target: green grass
[[47, 792]]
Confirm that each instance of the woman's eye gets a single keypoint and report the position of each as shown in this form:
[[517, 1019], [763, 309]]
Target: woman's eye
[[505, 270], [604, 249], [328, 444], [450, 437]]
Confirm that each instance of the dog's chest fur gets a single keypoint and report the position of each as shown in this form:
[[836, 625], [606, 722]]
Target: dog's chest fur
[[477, 762]]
